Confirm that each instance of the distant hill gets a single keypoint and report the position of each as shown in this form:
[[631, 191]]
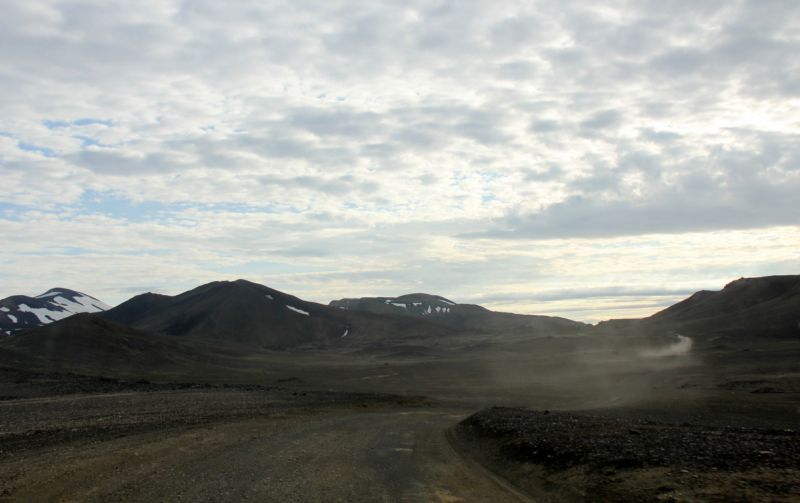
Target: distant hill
[[20, 312], [462, 316], [88, 343], [414, 304], [748, 307], [248, 313]]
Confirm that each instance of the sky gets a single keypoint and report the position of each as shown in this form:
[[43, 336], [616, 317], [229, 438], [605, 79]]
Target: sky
[[585, 159]]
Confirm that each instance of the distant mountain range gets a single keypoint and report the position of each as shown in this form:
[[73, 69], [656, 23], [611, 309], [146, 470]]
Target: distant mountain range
[[257, 316], [463, 316], [20, 312], [248, 313], [748, 307]]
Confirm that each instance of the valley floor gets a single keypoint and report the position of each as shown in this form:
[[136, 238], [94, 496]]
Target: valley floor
[[717, 419], [232, 444], [76, 438]]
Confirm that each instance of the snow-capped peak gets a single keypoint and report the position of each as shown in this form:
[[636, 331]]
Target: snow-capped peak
[[21, 312]]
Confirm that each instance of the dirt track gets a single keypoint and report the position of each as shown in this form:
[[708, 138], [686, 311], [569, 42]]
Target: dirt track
[[263, 446]]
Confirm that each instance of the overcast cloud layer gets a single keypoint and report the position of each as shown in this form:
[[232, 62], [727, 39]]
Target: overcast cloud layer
[[586, 159]]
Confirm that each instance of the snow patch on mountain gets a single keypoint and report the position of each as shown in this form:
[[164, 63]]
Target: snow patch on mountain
[[297, 310], [46, 315], [81, 304], [447, 302], [23, 312]]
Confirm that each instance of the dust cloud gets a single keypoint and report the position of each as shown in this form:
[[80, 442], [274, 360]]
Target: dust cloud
[[682, 347], [584, 372]]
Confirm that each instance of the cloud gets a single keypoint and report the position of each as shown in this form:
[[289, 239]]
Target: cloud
[[403, 143], [591, 293], [602, 120]]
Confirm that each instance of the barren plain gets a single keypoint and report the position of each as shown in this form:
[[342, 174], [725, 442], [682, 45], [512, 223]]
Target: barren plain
[[386, 421]]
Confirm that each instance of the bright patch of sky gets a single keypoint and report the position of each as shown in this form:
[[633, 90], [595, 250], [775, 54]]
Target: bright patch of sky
[[584, 159], [118, 206], [266, 268]]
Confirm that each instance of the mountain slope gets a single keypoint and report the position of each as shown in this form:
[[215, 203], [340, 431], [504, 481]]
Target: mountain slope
[[249, 313], [20, 312], [462, 316], [86, 340], [415, 304], [766, 306]]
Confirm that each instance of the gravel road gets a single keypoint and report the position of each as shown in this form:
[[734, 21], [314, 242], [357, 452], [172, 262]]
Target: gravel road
[[237, 445]]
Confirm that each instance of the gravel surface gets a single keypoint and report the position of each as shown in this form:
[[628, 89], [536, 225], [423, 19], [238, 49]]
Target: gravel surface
[[605, 449], [68, 408], [119, 441]]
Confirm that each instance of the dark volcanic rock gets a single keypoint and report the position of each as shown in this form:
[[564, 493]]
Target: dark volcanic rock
[[561, 440]]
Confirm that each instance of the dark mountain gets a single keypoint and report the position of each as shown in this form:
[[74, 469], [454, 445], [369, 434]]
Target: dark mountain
[[767, 306], [86, 342], [462, 316], [127, 312], [20, 312], [249, 313]]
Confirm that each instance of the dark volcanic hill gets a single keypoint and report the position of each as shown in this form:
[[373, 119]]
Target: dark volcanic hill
[[253, 314], [20, 312], [758, 307], [463, 316], [84, 341]]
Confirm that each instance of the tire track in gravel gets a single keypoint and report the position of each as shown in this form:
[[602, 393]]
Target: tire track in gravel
[[370, 456]]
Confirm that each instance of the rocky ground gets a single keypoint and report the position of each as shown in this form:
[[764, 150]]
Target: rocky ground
[[67, 408], [282, 434], [577, 457], [78, 438]]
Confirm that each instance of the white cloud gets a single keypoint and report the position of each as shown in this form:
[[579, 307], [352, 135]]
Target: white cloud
[[400, 146]]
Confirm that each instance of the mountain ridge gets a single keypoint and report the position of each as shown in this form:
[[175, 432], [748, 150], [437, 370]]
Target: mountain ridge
[[20, 312], [462, 316], [761, 306], [245, 312]]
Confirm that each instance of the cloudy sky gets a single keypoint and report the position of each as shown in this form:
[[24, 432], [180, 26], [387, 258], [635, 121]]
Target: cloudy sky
[[589, 159]]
